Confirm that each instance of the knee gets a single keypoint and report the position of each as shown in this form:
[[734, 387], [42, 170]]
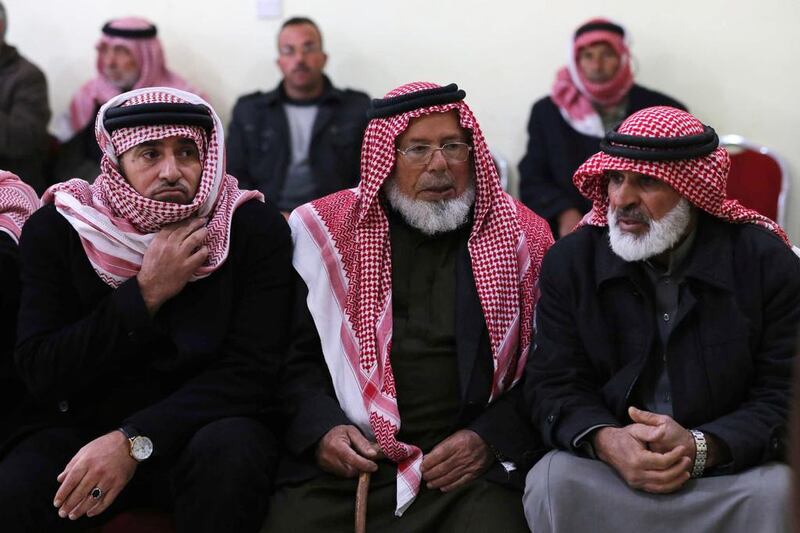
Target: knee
[[769, 489], [230, 448]]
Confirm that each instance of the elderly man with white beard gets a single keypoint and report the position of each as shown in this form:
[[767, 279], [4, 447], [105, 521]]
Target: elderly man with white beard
[[665, 337], [413, 322]]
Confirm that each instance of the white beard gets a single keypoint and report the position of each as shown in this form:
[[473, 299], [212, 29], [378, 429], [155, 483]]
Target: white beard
[[662, 235], [434, 217]]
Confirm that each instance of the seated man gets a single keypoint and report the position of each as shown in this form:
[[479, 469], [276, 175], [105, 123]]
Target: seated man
[[129, 56], [665, 337], [590, 95], [412, 328], [152, 320], [17, 202], [302, 140], [24, 113]]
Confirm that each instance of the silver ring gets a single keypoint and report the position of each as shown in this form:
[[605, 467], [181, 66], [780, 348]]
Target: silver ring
[[96, 493]]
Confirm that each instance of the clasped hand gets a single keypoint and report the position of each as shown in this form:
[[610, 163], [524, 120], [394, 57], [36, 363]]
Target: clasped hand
[[654, 454]]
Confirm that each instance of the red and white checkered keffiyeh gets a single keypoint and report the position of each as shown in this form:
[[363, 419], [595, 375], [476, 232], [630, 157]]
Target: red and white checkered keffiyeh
[[575, 95], [18, 201], [153, 72], [701, 180], [342, 251], [116, 224]]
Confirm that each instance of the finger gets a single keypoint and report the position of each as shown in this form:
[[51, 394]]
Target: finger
[[102, 503], [668, 480], [195, 239], [197, 258], [440, 477], [69, 480], [183, 228], [645, 417], [352, 462], [80, 492], [440, 453], [646, 433], [460, 482], [661, 461], [360, 443]]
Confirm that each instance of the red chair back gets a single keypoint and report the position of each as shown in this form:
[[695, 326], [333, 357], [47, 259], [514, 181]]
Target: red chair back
[[755, 180]]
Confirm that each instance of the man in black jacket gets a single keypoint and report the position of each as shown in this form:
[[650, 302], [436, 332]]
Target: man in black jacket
[[152, 321], [302, 140], [413, 322], [590, 95], [24, 113], [665, 338]]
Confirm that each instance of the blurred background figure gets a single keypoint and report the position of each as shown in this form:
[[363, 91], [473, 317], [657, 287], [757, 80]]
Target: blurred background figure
[[24, 113], [302, 140], [129, 56], [590, 95]]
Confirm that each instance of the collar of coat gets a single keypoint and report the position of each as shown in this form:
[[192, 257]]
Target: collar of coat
[[329, 93], [706, 261]]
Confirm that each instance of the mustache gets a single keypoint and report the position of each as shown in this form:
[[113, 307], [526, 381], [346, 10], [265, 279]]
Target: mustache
[[435, 180], [633, 213], [172, 187]]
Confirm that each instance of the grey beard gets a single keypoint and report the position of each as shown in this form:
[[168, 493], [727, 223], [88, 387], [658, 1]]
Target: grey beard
[[662, 235], [430, 218]]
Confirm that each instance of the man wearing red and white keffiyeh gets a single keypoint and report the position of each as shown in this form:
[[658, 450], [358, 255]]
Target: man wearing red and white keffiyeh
[[129, 57], [416, 300], [665, 340], [591, 94], [154, 301]]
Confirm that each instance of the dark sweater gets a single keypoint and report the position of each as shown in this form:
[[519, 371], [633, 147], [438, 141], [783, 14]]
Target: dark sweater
[[92, 357]]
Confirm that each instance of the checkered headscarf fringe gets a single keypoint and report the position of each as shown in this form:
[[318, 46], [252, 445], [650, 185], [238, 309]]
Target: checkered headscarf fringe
[[116, 223], [701, 180], [153, 72], [18, 201], [506, 246]]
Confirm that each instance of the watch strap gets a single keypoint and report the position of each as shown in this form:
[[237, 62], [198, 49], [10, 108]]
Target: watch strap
[[701, 453]]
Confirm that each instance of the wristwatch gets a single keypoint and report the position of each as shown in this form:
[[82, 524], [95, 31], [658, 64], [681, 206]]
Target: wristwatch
[[701, 453], [141, 446]]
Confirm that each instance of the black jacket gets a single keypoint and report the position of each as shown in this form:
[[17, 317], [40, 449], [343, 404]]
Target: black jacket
[[92, 357], [259, 150], [729, 356], [312, 409], [555, 151], [11, 387], [24, 114]]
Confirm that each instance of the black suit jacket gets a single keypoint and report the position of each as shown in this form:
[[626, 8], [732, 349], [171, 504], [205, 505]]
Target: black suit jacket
[[92, 357], [312, 410]]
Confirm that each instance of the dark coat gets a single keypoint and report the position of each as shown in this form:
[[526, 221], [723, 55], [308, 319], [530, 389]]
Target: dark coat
[[729, 356], [555, 151], [259, 150], [92, 357], [312, 409], [12, 389], [24, 114]]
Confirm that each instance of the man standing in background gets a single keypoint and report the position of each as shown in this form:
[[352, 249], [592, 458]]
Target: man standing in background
[[302, 140]]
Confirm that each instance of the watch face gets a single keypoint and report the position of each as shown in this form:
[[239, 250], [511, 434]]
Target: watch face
[[141, 448]]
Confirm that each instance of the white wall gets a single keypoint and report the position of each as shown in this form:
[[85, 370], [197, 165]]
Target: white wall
[[735, 64]]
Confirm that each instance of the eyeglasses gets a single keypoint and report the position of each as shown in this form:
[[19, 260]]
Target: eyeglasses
[[421, 154], [306, 49]]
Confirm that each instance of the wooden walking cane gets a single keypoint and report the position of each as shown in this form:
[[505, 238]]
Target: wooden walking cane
[[361, 502]]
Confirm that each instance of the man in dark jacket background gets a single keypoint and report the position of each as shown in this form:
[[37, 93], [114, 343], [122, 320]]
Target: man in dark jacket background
[[590, 95], [302, 140], [666, 355], [24, 114]]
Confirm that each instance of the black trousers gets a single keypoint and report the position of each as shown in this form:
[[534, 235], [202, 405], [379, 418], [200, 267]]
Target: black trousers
[[220, 481]]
